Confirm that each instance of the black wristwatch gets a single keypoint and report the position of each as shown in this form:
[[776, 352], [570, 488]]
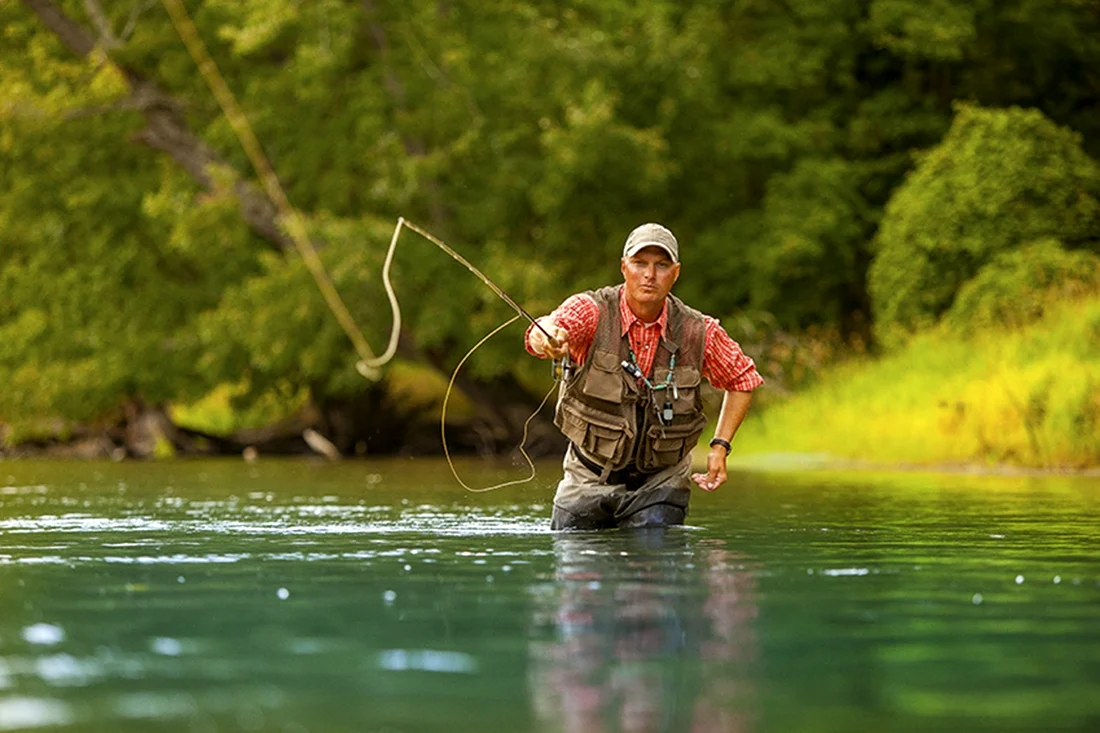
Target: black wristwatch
[[724, 443]]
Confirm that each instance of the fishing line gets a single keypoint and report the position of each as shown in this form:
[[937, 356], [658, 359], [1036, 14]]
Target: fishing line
[[293, 221], [526, 423], [395, 307], [368, 365], [395, 331]]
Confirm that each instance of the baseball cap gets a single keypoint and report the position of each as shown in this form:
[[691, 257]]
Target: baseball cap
[[652, 235]]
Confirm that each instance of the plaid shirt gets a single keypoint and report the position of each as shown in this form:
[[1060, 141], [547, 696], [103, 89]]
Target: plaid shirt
[[725, 366]]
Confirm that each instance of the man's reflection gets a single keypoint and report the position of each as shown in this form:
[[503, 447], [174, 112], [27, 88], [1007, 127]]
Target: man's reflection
[[643, 630]]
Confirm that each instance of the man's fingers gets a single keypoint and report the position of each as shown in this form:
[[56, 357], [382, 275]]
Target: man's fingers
[[562, 337], [706, 481], [542, 345], [555, 353]]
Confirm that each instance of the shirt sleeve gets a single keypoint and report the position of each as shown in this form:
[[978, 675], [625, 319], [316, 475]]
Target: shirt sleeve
[[725, 365], [578, 315]]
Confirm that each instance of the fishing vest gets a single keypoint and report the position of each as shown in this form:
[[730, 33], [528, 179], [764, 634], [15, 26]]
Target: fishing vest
[[611, 417]]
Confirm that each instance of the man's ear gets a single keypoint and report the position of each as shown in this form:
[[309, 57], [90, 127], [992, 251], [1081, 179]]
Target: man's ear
[[675, 273]]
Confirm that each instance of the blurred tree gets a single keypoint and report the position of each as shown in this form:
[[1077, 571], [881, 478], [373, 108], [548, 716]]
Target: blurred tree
[[1018, 286], [816, 223], [100, 260], [999, 179]]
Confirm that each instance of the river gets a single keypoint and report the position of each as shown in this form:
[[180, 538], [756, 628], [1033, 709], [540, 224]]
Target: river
[[302, 597]]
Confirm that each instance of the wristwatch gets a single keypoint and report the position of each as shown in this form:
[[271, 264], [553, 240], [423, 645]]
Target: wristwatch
[[724, 443]]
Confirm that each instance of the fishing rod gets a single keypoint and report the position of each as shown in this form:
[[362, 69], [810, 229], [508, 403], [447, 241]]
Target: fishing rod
[[559, 367], [369, 366], [401, 221]]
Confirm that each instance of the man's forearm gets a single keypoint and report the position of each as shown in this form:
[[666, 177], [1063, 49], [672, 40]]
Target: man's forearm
[[735, 405]]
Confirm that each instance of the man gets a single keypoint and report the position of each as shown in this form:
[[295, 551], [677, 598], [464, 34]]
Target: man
[[632, 410]]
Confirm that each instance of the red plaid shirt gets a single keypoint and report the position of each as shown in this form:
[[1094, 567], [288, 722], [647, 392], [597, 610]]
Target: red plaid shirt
[[725, 366]]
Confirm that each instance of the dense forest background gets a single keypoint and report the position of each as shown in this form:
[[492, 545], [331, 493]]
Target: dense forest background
[[841, 175]]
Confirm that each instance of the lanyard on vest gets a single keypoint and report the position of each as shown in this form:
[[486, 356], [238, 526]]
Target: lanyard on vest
[[664, 414]]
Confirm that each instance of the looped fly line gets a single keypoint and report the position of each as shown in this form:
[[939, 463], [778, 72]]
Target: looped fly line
[[368, 365]]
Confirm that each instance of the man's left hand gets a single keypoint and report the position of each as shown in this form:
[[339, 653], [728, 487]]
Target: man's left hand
[[716, 470]]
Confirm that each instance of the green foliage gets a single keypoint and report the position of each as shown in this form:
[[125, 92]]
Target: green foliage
[[1016, 287], [922, 29], [231, 407], [816, 223], [998, 179], [530, 136], [97, 274]]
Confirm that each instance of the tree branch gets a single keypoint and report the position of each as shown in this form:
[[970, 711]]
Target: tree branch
[[135, 13], [107, 38], [73, 35], [166, 129]]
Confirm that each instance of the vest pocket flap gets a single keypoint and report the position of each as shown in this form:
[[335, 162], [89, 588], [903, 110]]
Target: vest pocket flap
[[604, 380], [666, 451], [678, 433], [601, 432], [686, 376], [605, 361], [666, 444]]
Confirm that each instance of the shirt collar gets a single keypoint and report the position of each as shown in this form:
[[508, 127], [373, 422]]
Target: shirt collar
[[627, 317]]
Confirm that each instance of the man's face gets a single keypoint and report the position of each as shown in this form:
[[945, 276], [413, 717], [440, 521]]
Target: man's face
[[649, 275]]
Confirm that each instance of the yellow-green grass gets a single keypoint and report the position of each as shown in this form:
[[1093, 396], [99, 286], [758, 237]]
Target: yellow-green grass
[[1027, 396]]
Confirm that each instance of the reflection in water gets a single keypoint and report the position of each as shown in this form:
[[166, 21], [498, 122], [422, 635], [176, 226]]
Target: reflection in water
[[644, 630]]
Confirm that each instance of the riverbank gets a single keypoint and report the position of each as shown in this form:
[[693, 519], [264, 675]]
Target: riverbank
[[820, 462], [1021, 398]]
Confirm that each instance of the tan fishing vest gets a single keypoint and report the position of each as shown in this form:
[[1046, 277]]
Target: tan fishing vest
[[612, 418]]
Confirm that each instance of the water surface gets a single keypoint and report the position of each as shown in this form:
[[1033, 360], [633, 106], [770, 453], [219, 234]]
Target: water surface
[[297, 597]]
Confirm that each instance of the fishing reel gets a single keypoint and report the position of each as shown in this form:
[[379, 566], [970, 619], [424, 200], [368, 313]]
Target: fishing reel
[[562, 369]]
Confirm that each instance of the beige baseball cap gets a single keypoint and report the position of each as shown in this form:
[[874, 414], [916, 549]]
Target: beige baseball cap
[[652, 235]]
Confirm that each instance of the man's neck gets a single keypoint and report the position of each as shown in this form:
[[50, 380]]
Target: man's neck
[[647, 312]]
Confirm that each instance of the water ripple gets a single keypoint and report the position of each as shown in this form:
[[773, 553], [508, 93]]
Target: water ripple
[[288, 521], [21, 713]]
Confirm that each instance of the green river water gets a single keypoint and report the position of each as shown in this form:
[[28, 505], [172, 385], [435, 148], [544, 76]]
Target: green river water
[[301, 597]]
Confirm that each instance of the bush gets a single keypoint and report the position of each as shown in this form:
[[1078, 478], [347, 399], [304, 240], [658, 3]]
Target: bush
[[999, 178], [1017, 287]]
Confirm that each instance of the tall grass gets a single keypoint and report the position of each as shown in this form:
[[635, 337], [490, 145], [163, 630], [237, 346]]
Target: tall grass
[[1027, 396]]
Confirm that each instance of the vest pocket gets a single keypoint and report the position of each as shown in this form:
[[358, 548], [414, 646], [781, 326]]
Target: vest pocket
[[604, 380], [602, 442], [599, 437], [687, 384], [667, 446]]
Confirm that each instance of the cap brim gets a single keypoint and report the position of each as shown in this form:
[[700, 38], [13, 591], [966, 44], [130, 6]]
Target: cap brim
[[639, 246]]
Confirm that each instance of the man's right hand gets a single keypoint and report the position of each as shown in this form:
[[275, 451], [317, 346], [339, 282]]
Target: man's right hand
[[541, 345]]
